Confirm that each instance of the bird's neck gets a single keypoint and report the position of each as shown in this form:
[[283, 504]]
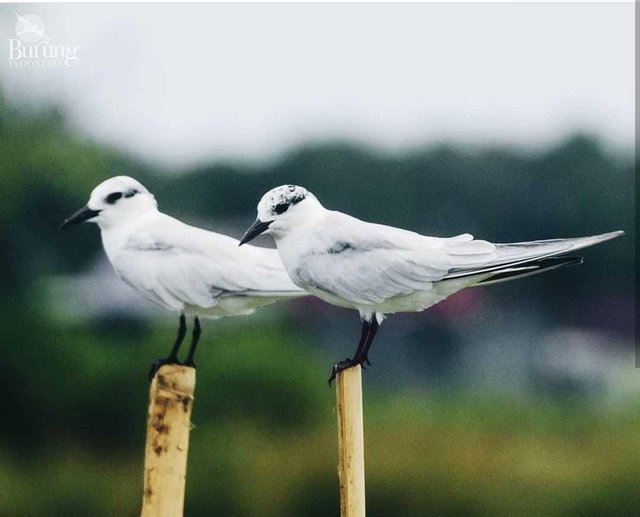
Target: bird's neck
[[292, 243], [114, 239], [115, 236]]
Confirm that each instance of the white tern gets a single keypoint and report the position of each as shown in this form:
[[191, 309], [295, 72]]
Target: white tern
[[380, 270], [188, 270]]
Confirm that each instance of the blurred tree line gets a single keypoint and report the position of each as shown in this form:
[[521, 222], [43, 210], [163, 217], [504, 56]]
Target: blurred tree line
[[75, 396], [500, 194]]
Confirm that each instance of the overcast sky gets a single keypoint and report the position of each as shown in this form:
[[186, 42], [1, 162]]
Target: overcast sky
[[179, 84]]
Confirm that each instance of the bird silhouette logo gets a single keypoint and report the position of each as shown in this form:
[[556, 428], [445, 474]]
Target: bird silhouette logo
[[30, 28]]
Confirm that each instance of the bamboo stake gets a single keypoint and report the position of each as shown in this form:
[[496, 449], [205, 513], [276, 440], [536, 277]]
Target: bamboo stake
[[350, 442], [168, 426]]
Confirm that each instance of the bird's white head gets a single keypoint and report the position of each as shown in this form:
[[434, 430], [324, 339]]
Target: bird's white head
[[114, 201], [282, 208]]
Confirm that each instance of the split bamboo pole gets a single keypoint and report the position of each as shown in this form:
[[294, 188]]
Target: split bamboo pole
[[168, 426], [350, 442]]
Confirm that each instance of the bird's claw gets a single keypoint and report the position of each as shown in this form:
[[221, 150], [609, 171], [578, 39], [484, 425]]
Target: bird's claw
[[158, 363], [342, 365]]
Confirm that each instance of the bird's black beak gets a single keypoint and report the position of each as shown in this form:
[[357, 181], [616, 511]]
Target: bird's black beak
[[256, 229], [82, 215]]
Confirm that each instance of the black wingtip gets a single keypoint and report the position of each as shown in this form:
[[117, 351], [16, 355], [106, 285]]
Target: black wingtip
[[532, 268]]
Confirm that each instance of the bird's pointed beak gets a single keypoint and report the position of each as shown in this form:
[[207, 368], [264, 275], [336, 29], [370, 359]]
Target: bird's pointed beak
[[82, 215], [256, 229]]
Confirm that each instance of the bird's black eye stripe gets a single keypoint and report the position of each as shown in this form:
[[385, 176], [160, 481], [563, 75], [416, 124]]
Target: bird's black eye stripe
[[113, 197], [132, 192], [281, 208]]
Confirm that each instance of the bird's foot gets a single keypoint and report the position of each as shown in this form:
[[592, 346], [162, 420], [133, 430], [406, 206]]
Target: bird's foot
[[158, 363], [342, 365], [189, 363]]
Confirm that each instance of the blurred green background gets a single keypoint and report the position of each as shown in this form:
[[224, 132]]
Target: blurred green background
[[518, 399]]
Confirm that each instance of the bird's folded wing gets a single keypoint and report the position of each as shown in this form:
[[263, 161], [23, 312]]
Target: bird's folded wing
[[367, 263], [367, 277], [177, 262]]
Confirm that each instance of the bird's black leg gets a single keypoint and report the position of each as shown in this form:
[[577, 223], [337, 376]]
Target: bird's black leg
[[194, 343], [373, 329], [348, 362], [172, 358]]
